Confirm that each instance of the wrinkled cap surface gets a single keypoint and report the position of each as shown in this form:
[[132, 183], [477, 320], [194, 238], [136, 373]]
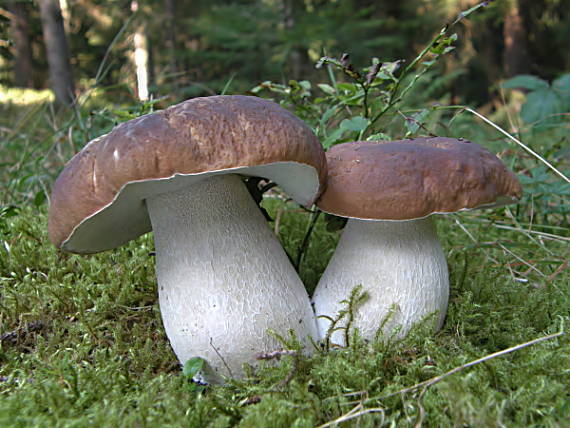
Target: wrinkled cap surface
[[411, 179], [98, 198]]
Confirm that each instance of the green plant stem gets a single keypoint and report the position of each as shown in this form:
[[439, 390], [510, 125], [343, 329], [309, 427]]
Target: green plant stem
[[332, 77], [102, 69], [306, 239], [365, 88], [356, 297], [392, 100], [443, 32]]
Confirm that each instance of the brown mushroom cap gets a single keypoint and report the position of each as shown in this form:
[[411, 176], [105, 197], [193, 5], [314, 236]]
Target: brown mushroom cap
[[97, 201], [412, 179]]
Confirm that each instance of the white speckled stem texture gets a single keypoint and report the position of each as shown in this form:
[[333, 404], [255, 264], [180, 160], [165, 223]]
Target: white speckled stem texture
[[223, 277], [400, 265]]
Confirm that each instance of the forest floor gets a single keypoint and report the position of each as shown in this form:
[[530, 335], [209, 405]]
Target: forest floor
[[82, 341]]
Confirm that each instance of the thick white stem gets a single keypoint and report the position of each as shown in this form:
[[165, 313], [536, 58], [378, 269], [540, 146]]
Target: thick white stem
[[223, 277], [401, 267]]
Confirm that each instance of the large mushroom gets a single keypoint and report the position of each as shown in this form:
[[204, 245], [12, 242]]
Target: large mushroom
[[223, 277], [389, 246]]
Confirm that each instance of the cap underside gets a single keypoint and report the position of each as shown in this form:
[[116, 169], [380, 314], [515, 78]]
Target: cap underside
[[126, 217]]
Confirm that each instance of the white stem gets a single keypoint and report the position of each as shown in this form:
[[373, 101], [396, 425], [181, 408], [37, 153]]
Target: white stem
[[401, 267], [223, 277]]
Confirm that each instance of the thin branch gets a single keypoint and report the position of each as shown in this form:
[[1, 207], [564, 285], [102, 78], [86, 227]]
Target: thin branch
[[305, 244], [7, 14], [221, 358]]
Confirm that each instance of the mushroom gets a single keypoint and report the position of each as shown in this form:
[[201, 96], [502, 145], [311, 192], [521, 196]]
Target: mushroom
[[223, 277], [389, 246]]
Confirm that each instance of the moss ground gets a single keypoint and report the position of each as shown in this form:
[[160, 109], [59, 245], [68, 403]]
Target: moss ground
[[82, 342]]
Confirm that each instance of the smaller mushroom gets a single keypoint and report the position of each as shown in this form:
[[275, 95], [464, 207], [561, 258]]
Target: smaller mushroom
[[388, 190]]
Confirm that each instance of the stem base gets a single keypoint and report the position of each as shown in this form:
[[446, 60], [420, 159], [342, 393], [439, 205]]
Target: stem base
[[401, 267]]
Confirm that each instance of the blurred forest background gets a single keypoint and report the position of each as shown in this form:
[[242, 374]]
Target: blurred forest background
[[184, 48]]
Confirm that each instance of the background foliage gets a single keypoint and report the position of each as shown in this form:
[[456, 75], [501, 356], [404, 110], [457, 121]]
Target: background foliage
[[254, 40]]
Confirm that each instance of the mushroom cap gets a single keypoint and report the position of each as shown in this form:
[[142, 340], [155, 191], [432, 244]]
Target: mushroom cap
[[412, 179], [98, 203]]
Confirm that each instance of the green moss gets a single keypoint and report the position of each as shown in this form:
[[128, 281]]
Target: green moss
[[83, 342]]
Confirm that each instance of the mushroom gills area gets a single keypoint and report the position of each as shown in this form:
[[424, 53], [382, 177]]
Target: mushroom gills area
[[223, 277], [400, 266]]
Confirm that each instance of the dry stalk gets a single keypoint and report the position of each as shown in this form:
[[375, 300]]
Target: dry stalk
[[426, 384], [357, 411]]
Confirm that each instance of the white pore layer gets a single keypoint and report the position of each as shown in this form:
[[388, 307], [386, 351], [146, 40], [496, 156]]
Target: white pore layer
[[223, 277], [401, 267]]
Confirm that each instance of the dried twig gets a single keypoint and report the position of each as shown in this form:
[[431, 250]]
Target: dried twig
[[249, 401], [509, 136], [426, 384], [559, 270], [276, 355], [21, 332], [221, 358], [355, 412], [277, 220]]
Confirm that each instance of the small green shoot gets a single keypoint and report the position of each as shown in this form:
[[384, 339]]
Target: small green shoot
[[190, 370], [357, 297]]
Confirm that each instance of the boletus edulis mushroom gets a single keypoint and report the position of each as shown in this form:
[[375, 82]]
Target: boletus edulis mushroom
[[388, 191], [223, 277]]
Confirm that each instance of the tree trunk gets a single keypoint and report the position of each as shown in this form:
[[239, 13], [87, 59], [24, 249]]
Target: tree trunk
[[170, 8], [141, 63], [65, 14], [515, 55], [57, 52], [298, 57], [20, 30], [141, 56]]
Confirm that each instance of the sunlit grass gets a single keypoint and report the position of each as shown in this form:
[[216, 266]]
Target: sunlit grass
[[24, 96]]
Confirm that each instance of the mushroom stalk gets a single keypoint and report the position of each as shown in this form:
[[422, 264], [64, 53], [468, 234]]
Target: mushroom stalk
[[223, 277], [401, 267]]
